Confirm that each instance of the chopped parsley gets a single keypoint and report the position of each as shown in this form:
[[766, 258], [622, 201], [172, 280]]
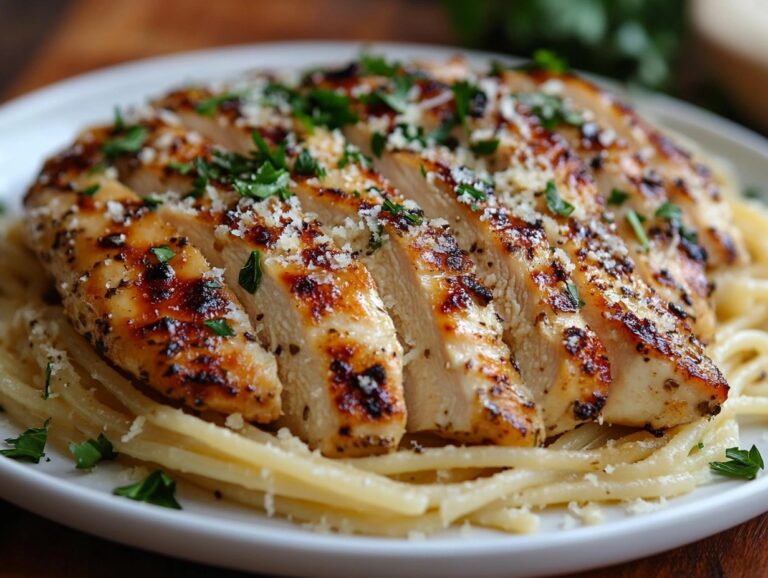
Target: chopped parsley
[[466, 96], [397, 100], [378, 142], [485, 147], [265, 153], [353, 155], [547, 60], [152, 202], [163, 253], [264, 183], [181, 168], [92, 451], [130, 141], [90, 191], [753, 193], [674, 214], [573, 293], [687, 234], [555, 202], [550, 109], [377, 66], [220, 327], [29, 446], [119, 121], [412, 217], [471, 190], [325, 107], [251, 274], [157, 488], [209, 106], [670, 211], [741, 464], [308, 166], [47, 384], [635, 221], [617, 197]]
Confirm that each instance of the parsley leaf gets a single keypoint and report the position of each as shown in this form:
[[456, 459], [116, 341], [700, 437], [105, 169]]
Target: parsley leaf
[[636, 222], [89, 191], [130, 141], [550, 109], [471, 190], [220, 327], [670, 211], [468, 98], [378, 142], [398, 99], [741, 464], [209, 106], [547, 60], [47, 385], [29, 446], [157, 488], [92, 451], [484, 147], [412, 217], [555, 202], [326, 107], [377, 66], [276, 157], [152, 202], [573, 293], [617, 197], [181, 168], [251, 274], [306, 165], [119, 121], [163, 253], [353, 155], [264, 183]]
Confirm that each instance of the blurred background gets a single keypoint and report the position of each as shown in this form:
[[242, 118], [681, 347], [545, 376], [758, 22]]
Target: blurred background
[[711, 52]]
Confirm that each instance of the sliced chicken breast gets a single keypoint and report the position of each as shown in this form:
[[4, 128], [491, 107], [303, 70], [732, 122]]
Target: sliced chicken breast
[[541, 182], [141, 293], [669, 258], [660, 164], [459, 381], [314, 305]]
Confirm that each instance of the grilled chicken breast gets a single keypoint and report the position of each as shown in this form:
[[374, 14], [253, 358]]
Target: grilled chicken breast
[[527, 255], [459, 381], [141, 293], [661, 168], [541, 181], [314, 305], [668, 258]]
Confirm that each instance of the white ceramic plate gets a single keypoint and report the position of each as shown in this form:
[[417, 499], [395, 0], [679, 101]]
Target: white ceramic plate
[[228, 535]]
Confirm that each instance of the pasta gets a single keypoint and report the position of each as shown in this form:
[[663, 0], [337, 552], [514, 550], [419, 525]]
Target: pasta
[[411, 492]]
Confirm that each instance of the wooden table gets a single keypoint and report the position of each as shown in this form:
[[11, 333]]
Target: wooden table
[[95, 33]]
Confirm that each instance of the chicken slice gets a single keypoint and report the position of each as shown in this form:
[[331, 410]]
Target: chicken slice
[[669, 259], [659, 167], [142, 294], [660, 372], [459, 381], [314, 304]]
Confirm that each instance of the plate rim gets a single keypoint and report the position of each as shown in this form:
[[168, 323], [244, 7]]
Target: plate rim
[[17, 479]]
